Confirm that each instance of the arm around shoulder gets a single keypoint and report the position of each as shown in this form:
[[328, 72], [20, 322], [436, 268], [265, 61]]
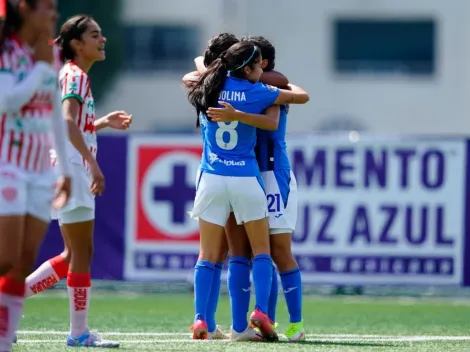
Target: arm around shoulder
[[294, 96]]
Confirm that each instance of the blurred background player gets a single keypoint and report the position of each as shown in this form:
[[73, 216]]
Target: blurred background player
[[281, 189], [30, 111], [82, 44]]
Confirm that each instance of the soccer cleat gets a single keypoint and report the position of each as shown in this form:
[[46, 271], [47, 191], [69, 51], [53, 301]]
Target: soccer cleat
[[217, 334], [199, 329], [248, 335], [260, 320], [296, 332], [90, 339], [273, 324], [15, 340]]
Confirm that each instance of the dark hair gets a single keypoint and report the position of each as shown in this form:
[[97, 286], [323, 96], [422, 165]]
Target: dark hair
[[206, 92], [267, 49], [11, 22], [72, 29], [217, 45]]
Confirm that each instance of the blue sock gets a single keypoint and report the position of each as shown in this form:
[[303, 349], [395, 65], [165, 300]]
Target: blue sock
[[262, 279], [239, 290], [214, 297], [272, 304], [203, 274], [292, 287]]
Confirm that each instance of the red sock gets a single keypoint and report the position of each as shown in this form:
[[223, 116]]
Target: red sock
[[79, 289], [47, 275], [11, 309]]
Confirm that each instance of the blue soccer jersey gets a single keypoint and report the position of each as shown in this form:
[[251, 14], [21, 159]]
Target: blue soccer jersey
[[271, 147], [228, 148]]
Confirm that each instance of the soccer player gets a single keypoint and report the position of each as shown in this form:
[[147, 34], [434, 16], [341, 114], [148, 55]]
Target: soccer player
[[216, 46], [30, 119], [82, 44], [229, 178], [281, 190]]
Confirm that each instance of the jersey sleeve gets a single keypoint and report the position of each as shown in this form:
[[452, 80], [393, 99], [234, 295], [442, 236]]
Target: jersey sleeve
[[60, 136], [265, 94], [14, 94], [74, 85]]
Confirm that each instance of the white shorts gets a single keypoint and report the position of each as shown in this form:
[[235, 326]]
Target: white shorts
[[81, 205], [217, 196], [281, 194], [23, 192]]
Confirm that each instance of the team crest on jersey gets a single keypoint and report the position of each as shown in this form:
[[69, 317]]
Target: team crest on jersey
[[9, 193], [73, 87], [213, 158]]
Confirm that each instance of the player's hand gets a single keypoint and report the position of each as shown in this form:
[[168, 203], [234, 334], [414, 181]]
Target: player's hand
[[97, 179], [225, 114], [190, 79], [119, 120], [63, 192], [43, 49]]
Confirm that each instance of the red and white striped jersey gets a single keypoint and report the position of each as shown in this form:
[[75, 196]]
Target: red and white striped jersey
[[75, 84], [26, 128]]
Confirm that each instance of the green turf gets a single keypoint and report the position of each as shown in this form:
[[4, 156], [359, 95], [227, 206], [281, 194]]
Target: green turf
[[328, 321]]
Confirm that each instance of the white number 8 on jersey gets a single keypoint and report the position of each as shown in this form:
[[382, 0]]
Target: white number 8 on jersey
[[229, 129]]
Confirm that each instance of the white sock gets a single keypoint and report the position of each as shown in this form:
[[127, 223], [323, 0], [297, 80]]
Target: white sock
[[79, 302], [11, 310], [40, 280]]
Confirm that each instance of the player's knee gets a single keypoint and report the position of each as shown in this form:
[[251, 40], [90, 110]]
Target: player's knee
[[209, 255]]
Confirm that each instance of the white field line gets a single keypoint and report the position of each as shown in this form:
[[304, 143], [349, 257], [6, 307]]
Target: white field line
[[316, 337], [401, 339]]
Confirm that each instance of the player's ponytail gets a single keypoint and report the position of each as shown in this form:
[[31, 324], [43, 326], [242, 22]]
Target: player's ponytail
[[207, 90], [10, 18], [205, 93]]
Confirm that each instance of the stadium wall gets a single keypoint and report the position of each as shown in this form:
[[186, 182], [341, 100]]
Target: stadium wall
[[388, 210]]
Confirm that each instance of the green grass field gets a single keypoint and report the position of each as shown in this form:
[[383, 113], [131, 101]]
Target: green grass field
[[159, 322]]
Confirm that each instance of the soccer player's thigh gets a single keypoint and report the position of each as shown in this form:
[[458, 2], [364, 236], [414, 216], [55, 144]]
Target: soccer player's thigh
[[13, 191], [212, 203], [13, 203], [248, 199], [281, 196], [13, 200], [41, 190], [80, 198]]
